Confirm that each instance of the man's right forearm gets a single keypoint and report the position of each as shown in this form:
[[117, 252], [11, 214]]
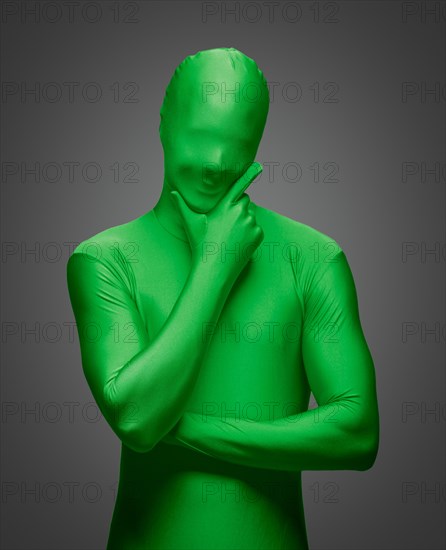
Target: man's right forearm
[[157, 382]]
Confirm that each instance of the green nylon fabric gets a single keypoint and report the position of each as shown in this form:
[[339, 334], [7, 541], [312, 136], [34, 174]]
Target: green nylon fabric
[[204, 373]]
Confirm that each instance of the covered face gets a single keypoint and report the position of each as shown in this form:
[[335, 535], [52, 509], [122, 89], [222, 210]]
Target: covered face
[[212, 120]]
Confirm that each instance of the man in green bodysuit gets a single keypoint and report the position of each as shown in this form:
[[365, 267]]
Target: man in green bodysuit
[[204, 326]]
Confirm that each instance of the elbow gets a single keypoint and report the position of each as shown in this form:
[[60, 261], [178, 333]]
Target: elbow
[[365, 448], [361, 432], [367, 456], [135, 440], [135, 435], [126, 423]]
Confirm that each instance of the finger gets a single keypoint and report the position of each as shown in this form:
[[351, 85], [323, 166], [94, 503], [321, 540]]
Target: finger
[[240, 186], [244, 199]]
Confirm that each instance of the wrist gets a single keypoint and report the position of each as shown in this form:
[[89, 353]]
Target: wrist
[[213, 274]]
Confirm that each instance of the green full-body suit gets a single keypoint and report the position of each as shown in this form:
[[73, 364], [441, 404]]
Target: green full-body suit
[[204, 326]]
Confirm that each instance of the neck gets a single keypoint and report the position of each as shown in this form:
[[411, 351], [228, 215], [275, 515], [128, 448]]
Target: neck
[[168, 215]]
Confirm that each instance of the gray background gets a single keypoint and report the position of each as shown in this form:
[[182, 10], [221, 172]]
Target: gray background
[[59, 460]]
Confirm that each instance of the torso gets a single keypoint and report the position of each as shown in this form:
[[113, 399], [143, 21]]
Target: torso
[[173, 497]]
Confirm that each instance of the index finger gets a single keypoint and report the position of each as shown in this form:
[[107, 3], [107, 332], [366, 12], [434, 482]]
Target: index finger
[[244, 181]]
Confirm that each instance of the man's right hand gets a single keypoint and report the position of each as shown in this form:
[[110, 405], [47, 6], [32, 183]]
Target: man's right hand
[[229, 226]]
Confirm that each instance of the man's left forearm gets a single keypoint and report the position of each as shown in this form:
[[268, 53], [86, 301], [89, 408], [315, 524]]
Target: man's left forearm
[[325, 438]]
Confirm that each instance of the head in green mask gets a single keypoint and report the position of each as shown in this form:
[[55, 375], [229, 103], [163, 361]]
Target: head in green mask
[[212, 120]]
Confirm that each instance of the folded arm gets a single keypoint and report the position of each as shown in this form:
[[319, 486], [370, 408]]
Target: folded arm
[[140, 384], [343, 431]]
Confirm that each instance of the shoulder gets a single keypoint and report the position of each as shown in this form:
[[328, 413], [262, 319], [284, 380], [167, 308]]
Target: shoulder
[[318, 262], [107, 244], [311, 245], [104, 257]]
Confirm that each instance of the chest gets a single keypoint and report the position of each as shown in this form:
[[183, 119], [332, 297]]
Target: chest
[[253, 355]]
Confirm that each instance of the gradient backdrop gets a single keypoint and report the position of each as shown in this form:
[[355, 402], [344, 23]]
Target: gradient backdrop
[[354, 146]]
